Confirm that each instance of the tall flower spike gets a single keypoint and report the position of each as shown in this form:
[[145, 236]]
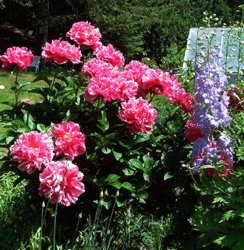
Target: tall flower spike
[[210, 113]]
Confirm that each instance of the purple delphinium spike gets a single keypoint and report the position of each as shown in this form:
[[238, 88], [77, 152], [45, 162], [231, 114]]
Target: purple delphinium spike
[[211, 112]]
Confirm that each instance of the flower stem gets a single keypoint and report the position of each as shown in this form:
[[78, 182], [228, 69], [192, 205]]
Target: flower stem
[[55, 75], [16, 86]]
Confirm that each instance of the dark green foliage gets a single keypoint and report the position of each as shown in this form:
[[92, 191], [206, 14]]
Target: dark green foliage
[[219, 216]]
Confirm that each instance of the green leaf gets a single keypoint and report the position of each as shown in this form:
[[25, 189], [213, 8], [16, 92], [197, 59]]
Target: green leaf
[[117, 185], [146, 176], [41, 127], [141, 200], [23, 84], [136, 163], [128, 186], [11, 104], [23, 130], [104, 124], [120, 203], [117, 155], [106, 150], [112, 178], [206, 167], [30, 122], [43, 78], [128, 172], [143, 137], [167, 176], [106, 204], [98, 136], [172, 112], [9, 139]]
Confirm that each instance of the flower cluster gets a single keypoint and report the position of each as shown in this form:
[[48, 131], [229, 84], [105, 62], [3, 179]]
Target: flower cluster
[[60, 181], [60, 52], [210, 112], [22, 57]]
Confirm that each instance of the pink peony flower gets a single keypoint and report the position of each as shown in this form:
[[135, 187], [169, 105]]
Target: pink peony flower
[[128, 88], [61, 51], [17, 56], [139, 113], [69, 141], [109, 54], [32, 151], [84, 33], [160, 82], [61, 182], [96, 66], [111, 85], [137, 70], [107, 87]]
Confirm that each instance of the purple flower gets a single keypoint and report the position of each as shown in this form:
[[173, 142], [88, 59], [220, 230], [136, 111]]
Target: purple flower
[[211, 112]]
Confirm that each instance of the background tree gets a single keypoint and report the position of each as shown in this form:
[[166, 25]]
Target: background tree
[[157, 29]]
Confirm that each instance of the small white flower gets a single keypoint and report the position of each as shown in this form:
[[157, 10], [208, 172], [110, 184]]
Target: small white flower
[[2, 87]]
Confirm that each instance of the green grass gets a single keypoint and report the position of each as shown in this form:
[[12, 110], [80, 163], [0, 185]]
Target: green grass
[[7, 79]]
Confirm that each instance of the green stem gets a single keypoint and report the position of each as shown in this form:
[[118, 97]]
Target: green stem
[[16, 86], [76, 229], [42, 222], [56, 212], [55, 75]]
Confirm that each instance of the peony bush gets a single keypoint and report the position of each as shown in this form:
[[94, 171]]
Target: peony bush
[[119, 136]]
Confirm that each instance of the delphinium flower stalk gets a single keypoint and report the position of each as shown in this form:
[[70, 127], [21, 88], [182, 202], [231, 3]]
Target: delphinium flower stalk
[[211, 113]]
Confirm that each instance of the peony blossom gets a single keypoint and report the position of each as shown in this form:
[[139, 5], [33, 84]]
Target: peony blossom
[[139, 114], [61, 182], [111, 85], [107, 87], [160, 82], [69, 141], [61, 51], [137, 70], [95, 67], [109, 54], [22, 57], [84, 33], [32, 151]]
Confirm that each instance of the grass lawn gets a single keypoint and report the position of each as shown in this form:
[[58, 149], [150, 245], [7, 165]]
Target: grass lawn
[[7, 79]]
